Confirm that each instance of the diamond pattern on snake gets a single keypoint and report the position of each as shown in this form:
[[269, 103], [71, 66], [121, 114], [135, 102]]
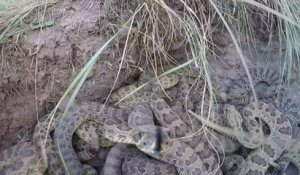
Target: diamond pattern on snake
[[126, 160], [178, 153], [191, 165], [35, 157], [167, 118], [204, 138], [116, 129], [286, 103], [20, 159], [267, 83], [273, 145]]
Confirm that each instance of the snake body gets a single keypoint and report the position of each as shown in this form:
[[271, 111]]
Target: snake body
[[45, 146], [273, 146], [280, 136], [21, 159], [126, 160], [267, 83], [35, 157], [166, 117], [115, 127]]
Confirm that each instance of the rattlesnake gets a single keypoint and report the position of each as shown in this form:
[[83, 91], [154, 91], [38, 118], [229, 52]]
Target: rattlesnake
[[20, 159], [285, 101], [157, 85], [161, 108], [267, 83], [168, 118], [292, 154], [136, 161], [269, 87], [261, 158], [116, 129], [88, 131], [233, 165], [39, 156], [158, 106], [184, 159], [126, 160], [35, 157], [113, 121], [102, 82], [163, 112], [45, 146]]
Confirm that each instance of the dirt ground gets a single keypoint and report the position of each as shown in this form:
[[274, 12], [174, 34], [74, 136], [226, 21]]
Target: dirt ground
[[36, 70]]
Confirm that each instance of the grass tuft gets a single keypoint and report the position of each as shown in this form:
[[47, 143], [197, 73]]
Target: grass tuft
[[272, 21], [13, 13]]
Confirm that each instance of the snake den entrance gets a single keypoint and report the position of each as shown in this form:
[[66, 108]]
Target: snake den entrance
[[164, 87]]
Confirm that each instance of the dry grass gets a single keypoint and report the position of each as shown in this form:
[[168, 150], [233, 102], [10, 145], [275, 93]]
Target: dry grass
[[277, 21], [13, 13]]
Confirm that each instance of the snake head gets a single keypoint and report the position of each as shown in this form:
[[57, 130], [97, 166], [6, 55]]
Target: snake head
[[151, 139], [233, 116]]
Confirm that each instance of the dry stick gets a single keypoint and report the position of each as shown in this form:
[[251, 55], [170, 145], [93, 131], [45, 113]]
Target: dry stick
[[163, 74], [259, 5], [239, 52], [225, 130], [237, 48]]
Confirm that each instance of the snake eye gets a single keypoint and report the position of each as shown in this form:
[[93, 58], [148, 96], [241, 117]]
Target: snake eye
[[137, 136], [168, 133], [167, 142], [140, 135]]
